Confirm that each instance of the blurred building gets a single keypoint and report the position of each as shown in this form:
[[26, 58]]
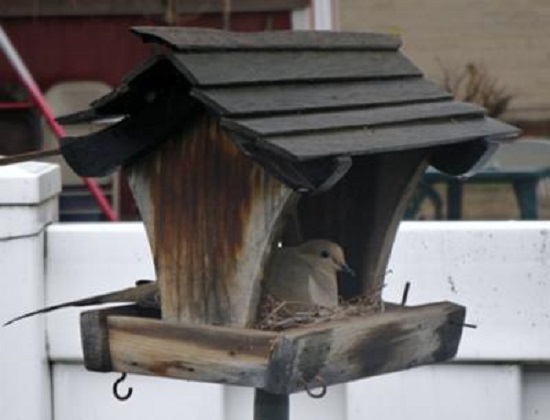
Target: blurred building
[[509, 38]]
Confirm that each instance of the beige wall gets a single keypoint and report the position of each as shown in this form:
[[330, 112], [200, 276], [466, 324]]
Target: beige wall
[[511, 38]]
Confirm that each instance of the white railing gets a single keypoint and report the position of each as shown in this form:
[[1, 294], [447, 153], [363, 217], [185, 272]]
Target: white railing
[[498, 270]]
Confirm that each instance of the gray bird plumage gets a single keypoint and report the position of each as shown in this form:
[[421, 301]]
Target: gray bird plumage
[[306, 274], [145, 294]]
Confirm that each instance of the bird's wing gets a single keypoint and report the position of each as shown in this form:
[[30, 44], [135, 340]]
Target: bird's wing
[[287, 276], [144, 294], [323, 288]]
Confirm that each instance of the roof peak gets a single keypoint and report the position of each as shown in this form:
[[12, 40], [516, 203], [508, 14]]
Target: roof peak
[[206, 39]]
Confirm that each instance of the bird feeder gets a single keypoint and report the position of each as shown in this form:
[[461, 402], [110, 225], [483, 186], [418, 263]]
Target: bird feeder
[[233, 142]]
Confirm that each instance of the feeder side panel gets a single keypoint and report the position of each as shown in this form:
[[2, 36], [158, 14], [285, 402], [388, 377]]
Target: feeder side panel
[[210, 213], [362, 213]]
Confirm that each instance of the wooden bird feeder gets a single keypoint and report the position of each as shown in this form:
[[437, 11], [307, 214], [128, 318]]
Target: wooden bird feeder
[[235, 141]]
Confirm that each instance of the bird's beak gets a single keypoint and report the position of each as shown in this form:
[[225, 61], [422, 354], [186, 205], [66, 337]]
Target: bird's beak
[[347, 269]]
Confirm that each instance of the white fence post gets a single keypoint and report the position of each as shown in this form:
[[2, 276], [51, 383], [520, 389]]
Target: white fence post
[[28, 202]]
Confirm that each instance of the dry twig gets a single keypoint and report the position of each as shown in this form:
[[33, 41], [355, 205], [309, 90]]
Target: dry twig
[[276, 315], [474, 83]]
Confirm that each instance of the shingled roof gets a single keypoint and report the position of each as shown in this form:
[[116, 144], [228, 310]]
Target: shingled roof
[[294, 101]]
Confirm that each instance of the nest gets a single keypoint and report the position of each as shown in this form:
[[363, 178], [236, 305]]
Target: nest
[[278, 315]]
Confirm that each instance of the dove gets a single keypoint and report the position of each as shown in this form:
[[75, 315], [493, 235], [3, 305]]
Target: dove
[[306, 274], [144, 294]]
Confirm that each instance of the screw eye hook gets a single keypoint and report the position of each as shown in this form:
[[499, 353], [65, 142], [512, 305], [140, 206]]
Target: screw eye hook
[[116, 392], [320, 383]]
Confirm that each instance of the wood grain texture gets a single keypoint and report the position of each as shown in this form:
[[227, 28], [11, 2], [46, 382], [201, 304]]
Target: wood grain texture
[[278, 362], [390, 139], [95, 334], [340, 352], [291, 66], [210, 215], [352, 118], [289, 98], [202, 353], [306, 176], [389, 196], [203, 39], [362, 213]]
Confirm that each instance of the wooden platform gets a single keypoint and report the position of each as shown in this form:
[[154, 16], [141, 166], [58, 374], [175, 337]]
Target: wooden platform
[[126, 340]]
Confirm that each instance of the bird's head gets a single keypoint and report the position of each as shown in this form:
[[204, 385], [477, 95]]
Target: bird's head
[[327, 253]]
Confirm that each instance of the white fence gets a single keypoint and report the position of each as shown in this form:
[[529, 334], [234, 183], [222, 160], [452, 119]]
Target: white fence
[[498, 270]]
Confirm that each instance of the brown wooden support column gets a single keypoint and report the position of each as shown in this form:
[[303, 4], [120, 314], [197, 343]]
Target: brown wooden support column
[[211, 215], [362, 212]]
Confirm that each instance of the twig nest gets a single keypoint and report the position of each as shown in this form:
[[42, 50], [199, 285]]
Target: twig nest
[[279, 315]]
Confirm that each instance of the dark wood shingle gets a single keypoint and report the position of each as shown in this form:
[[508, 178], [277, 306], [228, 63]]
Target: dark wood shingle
[[201, 39], [355, 118], [299, 96], [387, 139], [316, 97], [292, 66]]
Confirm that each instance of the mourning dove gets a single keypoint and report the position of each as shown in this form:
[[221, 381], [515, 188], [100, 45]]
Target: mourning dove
[[144, 294], [306, 274]]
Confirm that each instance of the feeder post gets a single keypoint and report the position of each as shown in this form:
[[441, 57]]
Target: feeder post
[[268, 406]]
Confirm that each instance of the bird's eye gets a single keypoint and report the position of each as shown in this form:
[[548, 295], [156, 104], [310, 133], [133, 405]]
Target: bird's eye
[[325, 254]]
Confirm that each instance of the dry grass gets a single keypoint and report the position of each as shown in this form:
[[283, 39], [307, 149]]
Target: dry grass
[[277, 315], [475, 83]]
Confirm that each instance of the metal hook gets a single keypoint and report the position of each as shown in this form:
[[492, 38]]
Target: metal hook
[[321, 393], [116, 392], [464, 324], [405, 293]]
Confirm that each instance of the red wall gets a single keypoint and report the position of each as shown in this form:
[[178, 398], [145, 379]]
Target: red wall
[[101, 48]]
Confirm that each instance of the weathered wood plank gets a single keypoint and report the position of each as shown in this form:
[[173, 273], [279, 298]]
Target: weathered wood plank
[[195, 39], [389, 197], [211, 215], [291, 66], [250, 100], [100, 153], [201, 353], [304, 176], [362, 213], [137, 89], [389, 139], [283, 362], [343, 351], [141, 85], [303, 123], [95, 334]]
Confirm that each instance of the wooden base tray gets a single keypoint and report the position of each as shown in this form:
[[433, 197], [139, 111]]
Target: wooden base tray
[[126, 339]]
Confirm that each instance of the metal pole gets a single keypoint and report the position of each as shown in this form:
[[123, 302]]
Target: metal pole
[[29, 82], [268, 406]]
